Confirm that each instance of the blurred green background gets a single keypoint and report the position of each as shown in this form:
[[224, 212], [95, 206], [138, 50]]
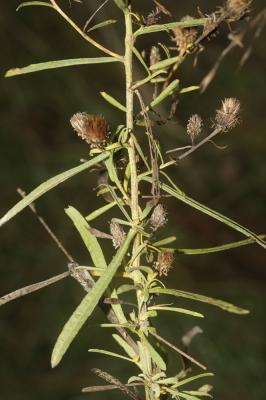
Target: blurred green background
[[37, 142]]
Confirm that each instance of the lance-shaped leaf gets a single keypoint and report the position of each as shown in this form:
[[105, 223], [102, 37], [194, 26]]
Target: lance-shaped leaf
[[88, 238], [191, 379], [58, 64], [102, 25], [199, 297], [212, 213], [89, 302], [121, 4], [156, 357], [165, 63], [50, 184], [144, 30], [176, 309], [216, 249], [34, 3], [110, 353], [165, 93], [95, 214], [111, 100]]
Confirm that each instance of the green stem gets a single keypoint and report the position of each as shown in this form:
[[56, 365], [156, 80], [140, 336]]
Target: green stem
[[129, 39]]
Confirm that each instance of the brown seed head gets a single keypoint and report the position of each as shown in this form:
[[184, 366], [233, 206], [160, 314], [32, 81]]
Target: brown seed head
[[194, 126], [237, 8], [158, 217], [164, 262], [184, 37], [227, 117], [118, 234], [92, 128]]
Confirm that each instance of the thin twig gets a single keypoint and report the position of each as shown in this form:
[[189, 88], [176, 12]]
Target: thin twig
[[181, 352], [47, 228], [196, 146], [93, 15], [104, 388], [83, 34], [32, 288]]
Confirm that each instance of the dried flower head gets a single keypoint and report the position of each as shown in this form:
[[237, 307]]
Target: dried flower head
[[158, 217], [92, 128], [184, 37], [164, 262], [118, 234], [237, 8], [194, 126], [227, 117]]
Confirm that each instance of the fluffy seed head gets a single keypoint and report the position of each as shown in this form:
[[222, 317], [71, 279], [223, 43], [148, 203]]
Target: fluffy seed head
[[227, 117], [194, 126], [158, 217], [237, 8], [164, 262], [118, 234], [91, 128]]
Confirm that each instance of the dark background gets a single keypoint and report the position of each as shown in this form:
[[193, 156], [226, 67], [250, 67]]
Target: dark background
[[37, 142]]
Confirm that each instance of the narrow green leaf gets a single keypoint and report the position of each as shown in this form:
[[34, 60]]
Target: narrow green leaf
[[95, 214], [168, 381], [58, 64], [140, 58], [102, 24], [122, 4], [110, 353], [214, 214], [117, 308], [217, 249], [125, 346], [187, 396], [165, 241], [34, 3], [199, 297], [189, 89], [125, 288], [198, 393], [50, 184], [165, 63], [139, 150], [89, 302], [144, 30], [147, 79], [155, 355], [192, 378], [165, 93], [88, 238], [178, 310], [113, 101]]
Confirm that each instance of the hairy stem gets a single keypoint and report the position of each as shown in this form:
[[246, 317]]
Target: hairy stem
[[129, 39]]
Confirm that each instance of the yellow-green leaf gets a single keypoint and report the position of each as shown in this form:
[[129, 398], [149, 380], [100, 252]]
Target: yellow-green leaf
[[50, 184], [199, 297], [58, 64], [88, 304]]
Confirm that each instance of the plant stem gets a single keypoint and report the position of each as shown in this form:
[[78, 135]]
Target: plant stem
[[129, 40]]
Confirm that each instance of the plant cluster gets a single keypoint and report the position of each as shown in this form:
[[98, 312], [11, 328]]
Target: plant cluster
[[135, 184]]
